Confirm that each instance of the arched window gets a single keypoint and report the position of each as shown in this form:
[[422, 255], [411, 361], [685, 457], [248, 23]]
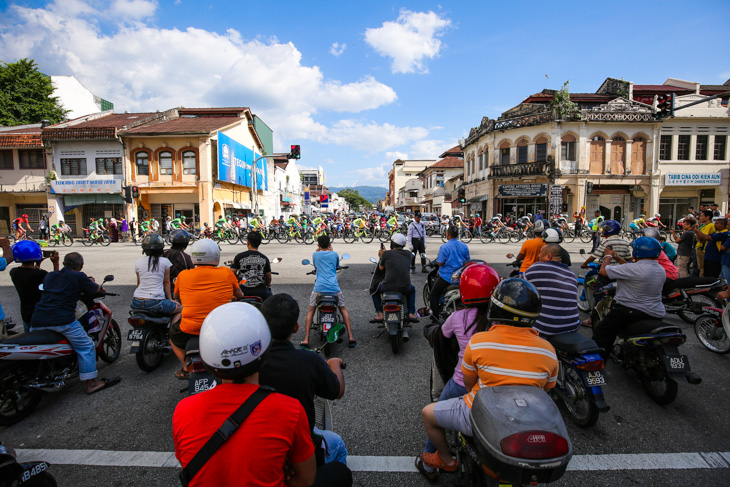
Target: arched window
[[189, 162], [541, 149], [504, 154], [165, 159], [598, 154], [567, 148], [522, 151], [142, 161], [638, 155]]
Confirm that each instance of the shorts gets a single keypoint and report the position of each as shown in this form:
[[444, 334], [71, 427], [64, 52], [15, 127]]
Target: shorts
[[314, 295], [178, 337], [453, 414], [15, 226], [634, 226], [160, 306]]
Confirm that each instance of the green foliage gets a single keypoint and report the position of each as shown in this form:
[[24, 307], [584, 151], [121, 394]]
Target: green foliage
[[353, 198], [25, 95], [564, 108]]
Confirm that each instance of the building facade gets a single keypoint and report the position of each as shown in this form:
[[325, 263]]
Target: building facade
[[437, 194], [401, 172]]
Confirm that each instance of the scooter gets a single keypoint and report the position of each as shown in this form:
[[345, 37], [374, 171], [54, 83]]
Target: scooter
[[685, 297], [586, 286], [395, 321], [451, 298], [712, 328], [43, 361], [327, 320], [29, 474], [199, 378], [150, 338], [518, 437]]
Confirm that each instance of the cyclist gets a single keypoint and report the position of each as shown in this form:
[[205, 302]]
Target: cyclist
[[255, 224], [638, 224], [175, 224], [597, 226], [94, 229], [20, 232], [220, 225], [144, 227], [358, 225], [59, 229], [200, 290], [392, 221], [183, 223]]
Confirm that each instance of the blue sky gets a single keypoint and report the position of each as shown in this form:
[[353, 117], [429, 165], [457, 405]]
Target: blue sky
[[360, 84]]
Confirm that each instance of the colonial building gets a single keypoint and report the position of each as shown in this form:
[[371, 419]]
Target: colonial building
[[437, 198], [401, 172], [542, 156], [288, 185]]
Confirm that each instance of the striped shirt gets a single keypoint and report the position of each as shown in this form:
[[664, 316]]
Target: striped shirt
[[509, 355], [557, 286], [620, 246]]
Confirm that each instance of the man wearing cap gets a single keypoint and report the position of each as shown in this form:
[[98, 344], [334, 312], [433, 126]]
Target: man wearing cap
[[394, 263], [417, 241]]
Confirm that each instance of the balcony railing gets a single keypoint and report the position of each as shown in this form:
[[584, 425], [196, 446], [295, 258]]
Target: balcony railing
[[520, 170]]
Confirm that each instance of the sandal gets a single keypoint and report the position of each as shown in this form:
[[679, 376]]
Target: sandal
[[431, 476], [352, 343], [304, 345], [107, 384], [434, 461], [182, 374]]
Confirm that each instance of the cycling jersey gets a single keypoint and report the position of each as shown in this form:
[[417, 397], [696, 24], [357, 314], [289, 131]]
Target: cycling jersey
[[220, 223], [144, 226], [317, 221], [254, 222], [359, 222], [175, 224]]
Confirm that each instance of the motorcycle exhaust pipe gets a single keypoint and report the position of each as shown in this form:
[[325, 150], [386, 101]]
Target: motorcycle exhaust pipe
[[48, 386], [404, 336], [166, 350]]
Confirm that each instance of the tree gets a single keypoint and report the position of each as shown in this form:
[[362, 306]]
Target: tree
[[564, 108], [353, 198], [25, 95]]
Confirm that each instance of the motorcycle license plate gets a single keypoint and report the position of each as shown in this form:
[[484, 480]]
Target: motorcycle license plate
[[676, 363], [135, 334], [328, 318], [595, 378], [392, 317], [201, 384]]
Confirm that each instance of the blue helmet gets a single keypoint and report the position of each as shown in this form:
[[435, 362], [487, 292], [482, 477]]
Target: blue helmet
[[611, 227], [647, 247], [27, 251]]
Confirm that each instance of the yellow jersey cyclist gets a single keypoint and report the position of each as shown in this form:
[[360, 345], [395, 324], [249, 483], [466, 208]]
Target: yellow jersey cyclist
[[255, 224], [392, 221], [358, 224], [638, 224]]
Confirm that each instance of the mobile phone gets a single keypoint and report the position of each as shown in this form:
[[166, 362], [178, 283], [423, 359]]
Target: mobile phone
[[47, 253], [382, 246]]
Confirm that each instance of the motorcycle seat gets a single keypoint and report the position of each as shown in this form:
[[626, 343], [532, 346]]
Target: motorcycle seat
[[643, 327], [150, 317], [392, 296], [34, 338], [193, 345], [572, 343], [451, 287], [690, 282], [327, 297]]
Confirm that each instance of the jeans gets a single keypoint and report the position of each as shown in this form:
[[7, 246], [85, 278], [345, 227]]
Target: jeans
[[451, 390], [82, 345], [620, 316], [439, 286], [411, 297], [726, 273], [336, 449]]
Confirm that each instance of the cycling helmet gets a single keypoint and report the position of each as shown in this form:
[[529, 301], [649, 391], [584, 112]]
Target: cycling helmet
[[152, 241], [538, 227], [611, 227], [27, 251], [180, 237], [642, 216], [182, 217], [515, 302], [168, 218], [398, 239], [499, 215], [234, 339], [529, 215], [647, 247], [25, 217], [205, 224], [657, 215], [552, 235], [477, 283], [651, 232], [205, 252]]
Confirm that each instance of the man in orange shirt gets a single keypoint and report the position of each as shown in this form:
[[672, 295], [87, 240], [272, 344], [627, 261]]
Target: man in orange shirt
[[531, 248], [200, 290], [510, 353]]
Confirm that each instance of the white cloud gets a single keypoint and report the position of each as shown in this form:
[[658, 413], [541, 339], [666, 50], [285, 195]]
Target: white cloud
[[410, 40], [140, 67], [134, 9], [429, 149], [336, 49], [396, 155], [376, 174]]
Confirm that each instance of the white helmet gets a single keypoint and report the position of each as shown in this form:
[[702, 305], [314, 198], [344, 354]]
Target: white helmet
[[552, 235], [234, 339], [399, 239], [657, 215], [538, 227], [205, 252]]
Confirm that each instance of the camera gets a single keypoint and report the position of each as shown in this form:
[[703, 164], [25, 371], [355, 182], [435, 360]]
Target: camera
[[48, 253]]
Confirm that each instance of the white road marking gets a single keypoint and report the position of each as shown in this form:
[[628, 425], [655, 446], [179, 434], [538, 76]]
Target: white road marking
[[357, 463]]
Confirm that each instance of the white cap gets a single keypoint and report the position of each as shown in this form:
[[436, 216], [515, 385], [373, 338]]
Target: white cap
[[398, 239]]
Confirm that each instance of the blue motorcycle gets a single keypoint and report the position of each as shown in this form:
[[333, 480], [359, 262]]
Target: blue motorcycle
[[586, 285]]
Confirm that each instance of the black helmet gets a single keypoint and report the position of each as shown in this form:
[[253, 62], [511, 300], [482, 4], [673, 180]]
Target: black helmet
[[515, 302], [152, 242], [180, 237]]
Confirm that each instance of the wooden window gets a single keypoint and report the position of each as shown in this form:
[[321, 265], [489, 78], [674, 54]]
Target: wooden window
[[683, 147], [108, 165], [665, 148], [6, 159], [73, 167], [541, 150], [701, 151], [618, 155], [598, 152], [165, 159], [142, 161], [638, 156], [720, 147], [567, 148], [189, 162], [31, 159]]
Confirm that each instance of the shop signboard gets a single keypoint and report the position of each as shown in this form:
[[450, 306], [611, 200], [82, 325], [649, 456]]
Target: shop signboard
[[692, 179], [522, 190], [235, 163], [556, 199], [86, 186], [306, 195]]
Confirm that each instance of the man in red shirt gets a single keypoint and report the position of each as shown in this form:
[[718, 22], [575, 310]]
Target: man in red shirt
[[273, 445], [478, 225]]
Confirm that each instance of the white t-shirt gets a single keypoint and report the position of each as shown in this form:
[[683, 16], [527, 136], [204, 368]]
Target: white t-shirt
[[150, 283], [640, 286]]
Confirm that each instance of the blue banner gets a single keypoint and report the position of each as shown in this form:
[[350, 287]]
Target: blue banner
[[235, 162]]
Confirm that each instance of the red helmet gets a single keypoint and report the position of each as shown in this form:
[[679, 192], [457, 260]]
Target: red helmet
[[476, 283], [25, 217]]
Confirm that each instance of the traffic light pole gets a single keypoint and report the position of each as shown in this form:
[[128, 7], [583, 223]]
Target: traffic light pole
[[702, 100]]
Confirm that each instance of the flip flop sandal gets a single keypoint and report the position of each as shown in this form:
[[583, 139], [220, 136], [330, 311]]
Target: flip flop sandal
[[433, 460], [375, 320], [431, 476], [352, 343], [182, 374], [304, 345], [107, 384]]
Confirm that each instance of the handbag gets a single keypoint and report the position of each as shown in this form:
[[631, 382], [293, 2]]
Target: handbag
[[223, 433]]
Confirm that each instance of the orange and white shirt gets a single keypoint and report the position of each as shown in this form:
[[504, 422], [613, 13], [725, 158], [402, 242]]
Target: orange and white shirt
[[509, 355]]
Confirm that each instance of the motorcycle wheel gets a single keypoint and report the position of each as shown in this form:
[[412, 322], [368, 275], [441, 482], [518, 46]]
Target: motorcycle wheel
[[584, 302], [16, 401], [112, 344], [426, 294], [466, 236], [282, 237], [582, 411], [688, 314], [662, 391], [503, 237], [395, 342], [349, 236], [67, 241], [367, 237], [149, 356], [586, 236], [711, 334]]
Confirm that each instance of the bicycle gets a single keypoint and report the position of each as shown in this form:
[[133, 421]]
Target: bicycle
[[61, 238], [226, 234], [363, 234], [91, 237]]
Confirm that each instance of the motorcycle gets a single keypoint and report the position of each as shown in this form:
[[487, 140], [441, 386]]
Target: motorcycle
[[199, 377], [43, 361], [28, 474], [651, 349], [150, 338], [580, 377], [586, 285], [327, 320], [451, 299], [518, 438], [712, 328], [686, 296], [395, 321]]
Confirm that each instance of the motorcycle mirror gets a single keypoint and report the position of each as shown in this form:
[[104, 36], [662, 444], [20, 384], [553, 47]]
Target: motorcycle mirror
[[276, 260], [228, 263], [305, 262], [509, 256], [423, 312], [345, 256], [108, 278], [40, 287], [373, 260]]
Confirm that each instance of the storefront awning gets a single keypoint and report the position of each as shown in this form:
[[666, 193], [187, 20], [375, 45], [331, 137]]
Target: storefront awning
[[88, 199]]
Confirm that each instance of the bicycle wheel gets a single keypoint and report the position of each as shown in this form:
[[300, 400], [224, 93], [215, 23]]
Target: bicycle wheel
[[367, 236], [569, 236], [383, 236], [466, 236], [105, 240], [349, 236], [515, 236], [86, 241], [267, 236], [52, 242], [282, 237], [586, 236], [231, 237], [486, 237], [444, 238], [308, 238], [503, 236], [67, 241]]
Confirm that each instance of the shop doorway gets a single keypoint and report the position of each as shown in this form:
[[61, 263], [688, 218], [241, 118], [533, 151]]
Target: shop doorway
[[672, 209]]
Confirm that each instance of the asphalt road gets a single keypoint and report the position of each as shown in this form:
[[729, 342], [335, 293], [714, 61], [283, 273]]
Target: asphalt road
[[380, 412]]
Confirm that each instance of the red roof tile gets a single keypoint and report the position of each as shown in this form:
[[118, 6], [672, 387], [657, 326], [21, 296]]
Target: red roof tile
[[185, 125], [658, 88], [454, 151], [15, 140], [215, 112], [34, 129], [446, 163]]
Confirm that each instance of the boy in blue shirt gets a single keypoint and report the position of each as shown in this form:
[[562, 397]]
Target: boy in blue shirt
[[326, 261]]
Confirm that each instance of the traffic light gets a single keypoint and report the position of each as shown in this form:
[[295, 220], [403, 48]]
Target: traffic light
[[665, 106], [294, 154], [589, 187], [127, 194], [135, 192], [462, 195]]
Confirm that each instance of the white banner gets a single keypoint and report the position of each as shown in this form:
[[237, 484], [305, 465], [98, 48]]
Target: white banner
[[86, 186], [692, 179]]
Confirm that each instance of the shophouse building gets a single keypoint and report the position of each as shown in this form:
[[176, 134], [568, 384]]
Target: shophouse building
[[288, 185], [401, 172], [437, 198]]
